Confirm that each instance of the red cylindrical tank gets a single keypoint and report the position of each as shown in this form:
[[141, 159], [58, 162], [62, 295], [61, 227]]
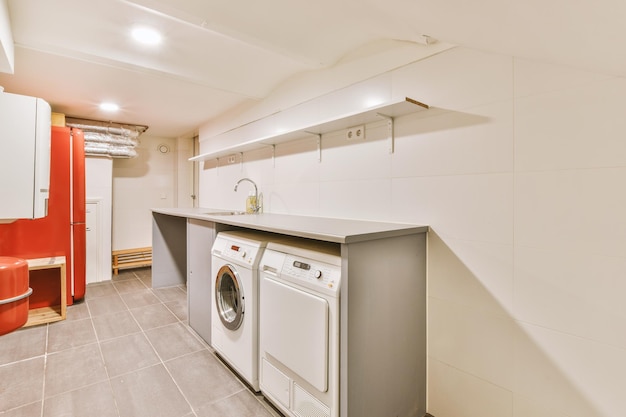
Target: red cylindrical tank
[[14, 293]]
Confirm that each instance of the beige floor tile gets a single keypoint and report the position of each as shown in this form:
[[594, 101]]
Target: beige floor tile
[[114, 325], [23, 344], [170, 294], [21, 383], [74, 368], [106, 305], [101, 289], [127, 354], [241, 404], [30, 410], [91, 401], [149, 392], [217, 381], [153, 316], [140, 298], [69, 334], [179, 308], [77, 311], [123, 274], [130, 285], [173, 340], [143, 273]]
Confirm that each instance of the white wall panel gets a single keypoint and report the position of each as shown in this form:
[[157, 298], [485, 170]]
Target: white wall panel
[[471, 273], [300, 198], [533, 78], [456, 79], [523, 407], [572, 291], [475, 140], [355, 98], [297, 162], [470, 207], [362, 159], [140, 184], [580, 210], [454, 393], [554, 369], [472, 340], [357, 199], [581, 127]]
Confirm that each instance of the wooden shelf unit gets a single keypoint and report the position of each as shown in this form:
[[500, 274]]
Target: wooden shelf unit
[[50, 314], [131, 258]]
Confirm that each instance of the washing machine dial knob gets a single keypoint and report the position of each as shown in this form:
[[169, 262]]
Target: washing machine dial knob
[[317, 274], [243, 254]]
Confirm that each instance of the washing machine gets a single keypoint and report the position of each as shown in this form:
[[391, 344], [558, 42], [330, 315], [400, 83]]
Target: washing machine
[[234, 291], [299, 327]]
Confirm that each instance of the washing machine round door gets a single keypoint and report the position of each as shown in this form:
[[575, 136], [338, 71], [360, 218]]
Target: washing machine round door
[[229, 297]]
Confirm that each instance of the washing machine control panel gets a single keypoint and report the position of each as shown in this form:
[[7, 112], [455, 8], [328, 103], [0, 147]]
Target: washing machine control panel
[[242, 252], [238, 252], [311, 273]]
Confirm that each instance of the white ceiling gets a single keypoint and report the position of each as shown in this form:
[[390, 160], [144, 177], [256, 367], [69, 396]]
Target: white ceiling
[[218, 54]]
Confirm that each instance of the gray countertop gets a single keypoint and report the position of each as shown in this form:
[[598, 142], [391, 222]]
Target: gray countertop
[[320, 228]]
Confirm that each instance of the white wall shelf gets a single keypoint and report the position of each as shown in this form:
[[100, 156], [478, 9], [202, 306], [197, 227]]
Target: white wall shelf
[[388, 111]]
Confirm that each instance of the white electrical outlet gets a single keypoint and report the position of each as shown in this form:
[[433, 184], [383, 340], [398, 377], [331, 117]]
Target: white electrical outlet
[[232, 159], [355, 133]]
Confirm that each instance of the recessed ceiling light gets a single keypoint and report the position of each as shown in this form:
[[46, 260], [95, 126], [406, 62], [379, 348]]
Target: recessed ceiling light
[[109, 107], [147, 36]]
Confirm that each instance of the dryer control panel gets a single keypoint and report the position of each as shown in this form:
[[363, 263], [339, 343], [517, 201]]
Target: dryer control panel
[[312, 274]]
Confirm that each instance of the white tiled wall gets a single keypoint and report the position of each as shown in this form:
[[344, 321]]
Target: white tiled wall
[[140, 184], [520, 169]]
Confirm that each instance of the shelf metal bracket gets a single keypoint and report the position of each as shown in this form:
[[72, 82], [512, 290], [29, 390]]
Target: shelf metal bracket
[[390, 133], [273, 156], [241, 161], [319, 144]]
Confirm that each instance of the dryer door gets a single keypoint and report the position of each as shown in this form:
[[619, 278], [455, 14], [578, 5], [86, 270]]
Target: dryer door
[[229, 297], [294, 329]]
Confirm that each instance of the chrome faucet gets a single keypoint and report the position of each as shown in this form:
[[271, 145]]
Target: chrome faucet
[[257, 206]]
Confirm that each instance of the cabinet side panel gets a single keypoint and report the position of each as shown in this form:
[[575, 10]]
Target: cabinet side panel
[[383, 350], [200, 237], [42, 157], [169, 250]]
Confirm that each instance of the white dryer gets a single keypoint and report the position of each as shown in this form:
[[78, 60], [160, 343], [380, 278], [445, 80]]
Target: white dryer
[[299, 327], [235, 295]]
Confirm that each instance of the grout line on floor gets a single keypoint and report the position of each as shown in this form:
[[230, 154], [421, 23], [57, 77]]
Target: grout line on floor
[[45, 366]]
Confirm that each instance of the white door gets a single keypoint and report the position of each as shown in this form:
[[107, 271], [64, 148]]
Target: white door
[[93, 241]]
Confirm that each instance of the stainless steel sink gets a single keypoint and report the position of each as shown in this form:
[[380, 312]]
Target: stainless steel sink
[[225, 213]]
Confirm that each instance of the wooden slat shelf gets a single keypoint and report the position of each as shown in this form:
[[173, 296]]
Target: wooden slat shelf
[[44, 315], [131, 258]]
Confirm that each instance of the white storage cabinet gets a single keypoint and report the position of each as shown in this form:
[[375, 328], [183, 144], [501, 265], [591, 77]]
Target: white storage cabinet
[[25, 124]]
